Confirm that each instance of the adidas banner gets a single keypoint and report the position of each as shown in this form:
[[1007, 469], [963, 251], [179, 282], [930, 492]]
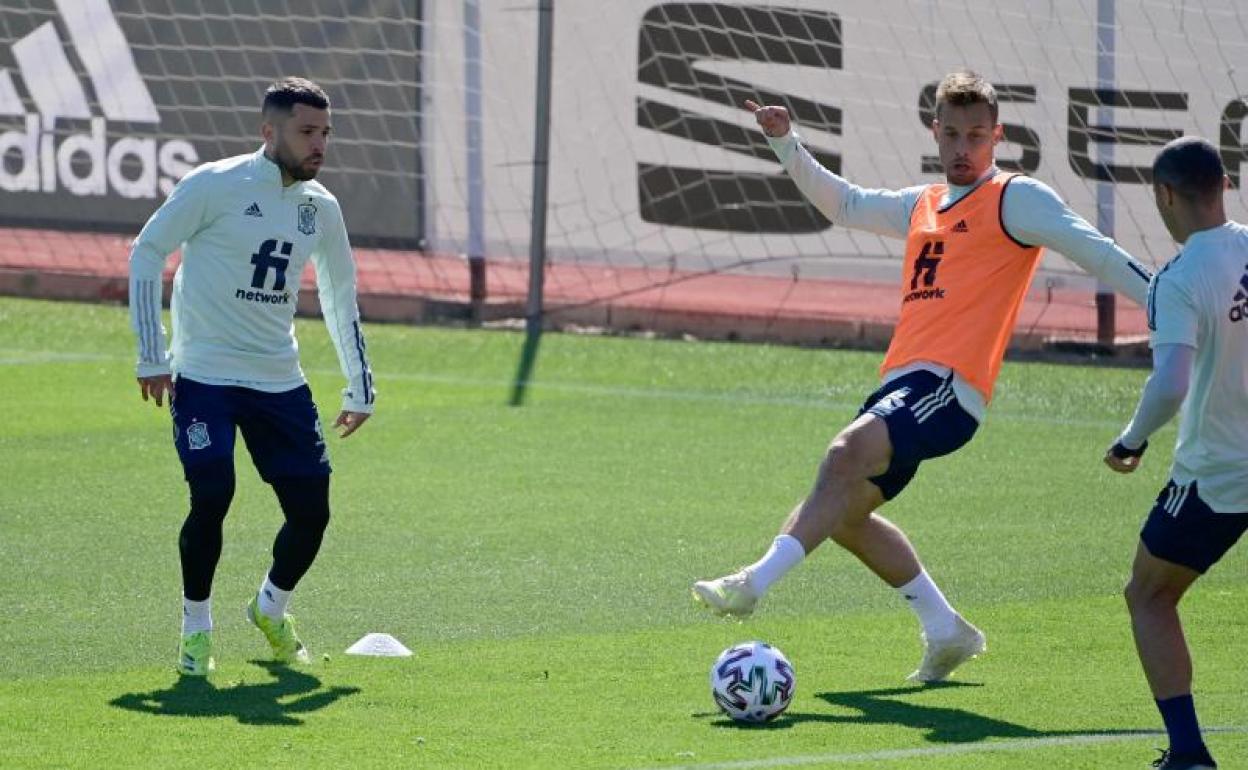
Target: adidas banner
[[105, 104]]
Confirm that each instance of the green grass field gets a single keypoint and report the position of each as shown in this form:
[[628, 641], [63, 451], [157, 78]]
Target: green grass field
[[538, 561]]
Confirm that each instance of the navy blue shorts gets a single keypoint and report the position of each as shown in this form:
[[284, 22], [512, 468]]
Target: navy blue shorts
[[282, 430], [1183, 530], [924, 420]]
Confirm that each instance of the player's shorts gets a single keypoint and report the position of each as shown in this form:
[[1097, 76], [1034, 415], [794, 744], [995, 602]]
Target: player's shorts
[[924, 420], [282, 430], [1183, 530]]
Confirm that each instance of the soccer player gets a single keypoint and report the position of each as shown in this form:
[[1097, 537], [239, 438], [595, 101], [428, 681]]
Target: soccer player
[[972, 246], [1198, 322], [247, 226]]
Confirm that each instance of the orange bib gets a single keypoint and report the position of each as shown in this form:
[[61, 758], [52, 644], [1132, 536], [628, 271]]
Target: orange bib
[[963, 283]]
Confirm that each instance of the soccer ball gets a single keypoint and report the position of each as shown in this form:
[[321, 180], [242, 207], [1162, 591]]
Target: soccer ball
[[752, 682]]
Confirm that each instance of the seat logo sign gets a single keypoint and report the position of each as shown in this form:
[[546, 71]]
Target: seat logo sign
[[37, 158], [677, 46]]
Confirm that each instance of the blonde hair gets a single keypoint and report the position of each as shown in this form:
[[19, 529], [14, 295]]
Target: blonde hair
[[964, 88]]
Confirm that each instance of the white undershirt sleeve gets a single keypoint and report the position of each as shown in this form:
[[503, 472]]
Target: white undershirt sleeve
[[1032, 213], [883, 212], [1163, 393], [1174, 325]]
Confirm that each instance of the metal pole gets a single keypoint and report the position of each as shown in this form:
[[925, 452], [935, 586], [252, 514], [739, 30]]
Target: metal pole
[[1105, 299], [473, 141], [537, 231], [428, 190], [423, 41]]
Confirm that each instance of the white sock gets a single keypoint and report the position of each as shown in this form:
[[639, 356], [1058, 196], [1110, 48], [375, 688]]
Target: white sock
[[934, 611], [272, 599], [786, 552], [196, 616]]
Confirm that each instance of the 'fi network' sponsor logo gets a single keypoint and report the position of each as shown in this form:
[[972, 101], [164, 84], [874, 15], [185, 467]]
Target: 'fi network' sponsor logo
[[84, 164]]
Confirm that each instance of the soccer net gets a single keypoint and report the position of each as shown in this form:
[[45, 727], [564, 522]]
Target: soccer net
[[105, 104], [666, 204], [666, 208]]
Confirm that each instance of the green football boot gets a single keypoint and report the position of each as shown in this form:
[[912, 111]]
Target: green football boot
[[195, 654], [281, 634]]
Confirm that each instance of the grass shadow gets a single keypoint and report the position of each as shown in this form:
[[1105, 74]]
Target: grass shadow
[[291, 692], [940, 724]]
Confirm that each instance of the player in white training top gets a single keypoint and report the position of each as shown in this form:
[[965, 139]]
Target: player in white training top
[[1198, 322], [247, 226]]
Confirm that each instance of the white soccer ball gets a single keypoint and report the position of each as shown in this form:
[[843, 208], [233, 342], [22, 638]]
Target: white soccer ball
[[752, 682]]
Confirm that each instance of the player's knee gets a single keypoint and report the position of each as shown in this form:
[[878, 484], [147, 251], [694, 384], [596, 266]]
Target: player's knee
[[1143, 595], [846, 460], [836, 461], [305, 501], [211, 488]]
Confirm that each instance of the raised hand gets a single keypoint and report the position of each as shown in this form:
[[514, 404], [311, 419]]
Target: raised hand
[[773, 120]]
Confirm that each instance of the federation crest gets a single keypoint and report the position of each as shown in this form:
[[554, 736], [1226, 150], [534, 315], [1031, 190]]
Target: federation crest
[[307, 218], [197, 435]]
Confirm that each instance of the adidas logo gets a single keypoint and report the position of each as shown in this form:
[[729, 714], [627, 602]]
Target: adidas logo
[[39, 160], [961, 227], [1239, 310], [253, 210]]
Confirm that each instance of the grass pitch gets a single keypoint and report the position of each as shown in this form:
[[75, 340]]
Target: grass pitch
[[538, 561]]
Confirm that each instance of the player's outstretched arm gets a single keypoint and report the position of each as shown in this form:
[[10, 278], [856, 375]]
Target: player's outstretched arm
[[1034, 214], [883, 212]]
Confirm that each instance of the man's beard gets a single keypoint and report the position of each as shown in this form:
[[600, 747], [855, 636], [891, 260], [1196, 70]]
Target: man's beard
[[293, 167]]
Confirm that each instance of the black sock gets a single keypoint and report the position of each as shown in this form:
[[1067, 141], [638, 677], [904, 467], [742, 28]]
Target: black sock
[[1179, 714]]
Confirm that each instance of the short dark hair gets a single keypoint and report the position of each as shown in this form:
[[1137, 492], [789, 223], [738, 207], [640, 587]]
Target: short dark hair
[[1192, 167], [283, 95], [964, 88]]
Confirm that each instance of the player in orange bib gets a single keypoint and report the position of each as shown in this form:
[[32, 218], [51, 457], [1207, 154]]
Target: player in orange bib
[[972, 246]]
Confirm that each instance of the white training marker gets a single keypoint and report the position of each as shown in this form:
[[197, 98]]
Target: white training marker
[[379, 645]]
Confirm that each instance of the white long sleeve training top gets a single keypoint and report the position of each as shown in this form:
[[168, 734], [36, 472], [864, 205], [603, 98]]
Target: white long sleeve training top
[[245, 240]]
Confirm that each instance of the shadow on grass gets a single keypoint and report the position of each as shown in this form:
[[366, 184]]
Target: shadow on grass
[[269, 703], [940, 724]]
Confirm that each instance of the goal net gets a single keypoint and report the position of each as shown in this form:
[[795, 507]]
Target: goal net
[[664, 195], [666, 208]]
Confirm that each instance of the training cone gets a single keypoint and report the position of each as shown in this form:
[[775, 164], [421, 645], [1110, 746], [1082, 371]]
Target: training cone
[[379, 645]]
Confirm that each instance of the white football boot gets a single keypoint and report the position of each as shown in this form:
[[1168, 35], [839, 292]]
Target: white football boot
[[942, 656], [728, 595]]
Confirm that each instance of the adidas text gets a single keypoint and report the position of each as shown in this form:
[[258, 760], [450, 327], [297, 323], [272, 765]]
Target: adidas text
[[38, 164], [1239, 312]]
